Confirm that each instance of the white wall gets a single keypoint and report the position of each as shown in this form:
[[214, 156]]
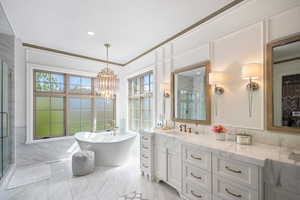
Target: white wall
[[229, 41]]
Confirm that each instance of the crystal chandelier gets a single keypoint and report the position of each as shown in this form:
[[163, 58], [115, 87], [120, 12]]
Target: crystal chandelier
[[106, 82]]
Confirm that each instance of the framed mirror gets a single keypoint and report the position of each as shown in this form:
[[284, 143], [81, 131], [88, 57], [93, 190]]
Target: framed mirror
[[191, 94], [283, 85]]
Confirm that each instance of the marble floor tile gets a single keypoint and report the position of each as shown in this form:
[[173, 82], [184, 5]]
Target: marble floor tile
[[106, 183]]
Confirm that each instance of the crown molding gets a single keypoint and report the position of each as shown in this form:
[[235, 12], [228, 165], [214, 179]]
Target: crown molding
[[201, 21], [70, 54], [189, 28]]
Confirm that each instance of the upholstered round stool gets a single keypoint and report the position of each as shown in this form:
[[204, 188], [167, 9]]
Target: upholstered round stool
[[83, 163]]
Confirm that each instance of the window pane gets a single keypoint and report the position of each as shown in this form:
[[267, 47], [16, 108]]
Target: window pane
[[42, 117], [74, 80], [74, 88], [57, 87], [57, 129], [43, 86], [80, 115], [49, 82], [42, 103], [57, 78], [57, 116], [42, 130], [42, 76], [80, 85], [57, 103], [48, 111], [104, 114], [140, 106], [86, 81], [74, 104]]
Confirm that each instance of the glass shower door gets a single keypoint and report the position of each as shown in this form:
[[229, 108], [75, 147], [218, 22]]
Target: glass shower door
[[5, 126]]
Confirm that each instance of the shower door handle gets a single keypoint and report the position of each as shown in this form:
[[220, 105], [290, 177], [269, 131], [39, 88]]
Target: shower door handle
[[7, 123]]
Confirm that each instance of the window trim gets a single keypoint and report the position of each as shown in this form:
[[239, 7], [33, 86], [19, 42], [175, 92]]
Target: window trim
[[30, 70]]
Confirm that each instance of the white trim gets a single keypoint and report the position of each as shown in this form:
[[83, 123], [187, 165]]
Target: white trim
[[29, 95]]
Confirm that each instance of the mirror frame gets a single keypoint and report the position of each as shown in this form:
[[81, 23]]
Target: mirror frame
[[205, 64], [269, 78]]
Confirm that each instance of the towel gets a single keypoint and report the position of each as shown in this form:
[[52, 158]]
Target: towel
[[283, 175]]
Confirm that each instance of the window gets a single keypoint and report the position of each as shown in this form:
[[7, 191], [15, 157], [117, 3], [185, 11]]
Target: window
[[65, 104], [105, 113], [81, 116], [140, 102]]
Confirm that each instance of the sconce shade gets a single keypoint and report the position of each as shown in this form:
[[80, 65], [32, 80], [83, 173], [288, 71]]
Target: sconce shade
[[164, 87], [250, 70], [215, 78]]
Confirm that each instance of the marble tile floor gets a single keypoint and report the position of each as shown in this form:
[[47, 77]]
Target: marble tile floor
[[105, 183]]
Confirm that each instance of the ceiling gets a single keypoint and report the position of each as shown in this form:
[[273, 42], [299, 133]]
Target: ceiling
[[131, 27]]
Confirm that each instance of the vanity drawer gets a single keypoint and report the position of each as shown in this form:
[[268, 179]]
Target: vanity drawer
[[145, 166], [146, 139], [227, 189], [197, 157], [240, 172], [193, 192], [197, 176]]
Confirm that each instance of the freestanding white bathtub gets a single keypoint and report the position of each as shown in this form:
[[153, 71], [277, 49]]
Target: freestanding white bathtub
[[109, 150]]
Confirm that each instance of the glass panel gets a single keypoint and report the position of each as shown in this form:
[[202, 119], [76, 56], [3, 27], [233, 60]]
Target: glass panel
[[42, 130], [57, 129], [48, 111], [57, 103], [42, 77], [74, 103], [80, 85], [57, 116], [74, 88], [57, 78], [43, 86], [74, 80], [80, 117], [46, 82], [57, 87], [42, 103]]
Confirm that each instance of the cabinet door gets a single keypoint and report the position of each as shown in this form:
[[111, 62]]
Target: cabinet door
[[161, 164], [273, 193], [174, 170]]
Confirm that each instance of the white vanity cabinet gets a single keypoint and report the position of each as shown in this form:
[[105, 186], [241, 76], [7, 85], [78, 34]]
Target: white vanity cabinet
[[146, 154], [234, 179], [209, 175], [168, 160], [197, 177], [203, 173]]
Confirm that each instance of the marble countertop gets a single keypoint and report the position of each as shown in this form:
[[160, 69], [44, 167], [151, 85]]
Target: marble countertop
[[256, 153]]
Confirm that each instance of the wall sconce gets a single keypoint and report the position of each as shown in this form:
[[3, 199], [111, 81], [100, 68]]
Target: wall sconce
[[165, 88], [251, 72], [214, 78]]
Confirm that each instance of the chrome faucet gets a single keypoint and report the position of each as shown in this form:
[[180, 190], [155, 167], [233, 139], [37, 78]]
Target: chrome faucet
[[182, 125]]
